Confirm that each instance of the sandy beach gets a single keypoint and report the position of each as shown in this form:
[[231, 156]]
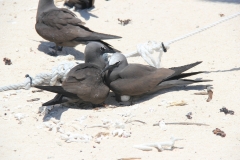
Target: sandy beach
[[155, 20]]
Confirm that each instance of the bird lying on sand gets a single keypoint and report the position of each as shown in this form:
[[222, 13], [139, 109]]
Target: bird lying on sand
[[79, 4], [61, 26], [134, 80], [84, 83]]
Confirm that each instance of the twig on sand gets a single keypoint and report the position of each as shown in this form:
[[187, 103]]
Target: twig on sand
[[130, 121], [183, 123], [103, 126]]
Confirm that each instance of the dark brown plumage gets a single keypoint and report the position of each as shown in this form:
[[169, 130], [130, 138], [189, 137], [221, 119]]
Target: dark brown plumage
[[84, 82], [61, 26], [129, 80]]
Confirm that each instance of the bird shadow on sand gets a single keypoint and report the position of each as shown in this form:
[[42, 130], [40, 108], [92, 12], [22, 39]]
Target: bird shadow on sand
[[56, 113], [44, 47], [174, 89], [86, 13], [111, 98]]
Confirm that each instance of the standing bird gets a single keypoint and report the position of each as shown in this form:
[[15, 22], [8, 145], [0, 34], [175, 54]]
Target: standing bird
[[134, 80], [79, 4], [61, 26], [84, 82]]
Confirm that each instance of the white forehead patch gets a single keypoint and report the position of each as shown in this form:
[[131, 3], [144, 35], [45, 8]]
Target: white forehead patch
[[116, 57]]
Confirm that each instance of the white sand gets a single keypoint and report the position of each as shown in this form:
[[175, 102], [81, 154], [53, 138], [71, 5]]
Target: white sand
[[158, 20]]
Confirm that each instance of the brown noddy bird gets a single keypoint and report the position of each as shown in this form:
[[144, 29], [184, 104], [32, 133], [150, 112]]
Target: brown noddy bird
[[134, 80], [84, 82], [79, 4], [61, 26]]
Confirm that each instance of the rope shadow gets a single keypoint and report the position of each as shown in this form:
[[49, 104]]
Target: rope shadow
[[44, 47], [229, 70]]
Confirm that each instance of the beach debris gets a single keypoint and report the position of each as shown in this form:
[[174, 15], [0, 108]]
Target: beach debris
[[81, 119], [75, 137], [132, 158], [39, 90], [201, 93], [221, 15], [210, 94], [180, 103], [130, 121], [103, 126], [7, 61], [160, 146], [217, 131], [124, 22], [162, 125], [55, 126], [76, 127], [100, 136], [183, 123], [121, 133], [189, 115], [34, 99], [19, 116], [226, 111]]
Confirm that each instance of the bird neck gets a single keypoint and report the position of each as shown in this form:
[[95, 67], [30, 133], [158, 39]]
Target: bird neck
[[44, 5], [96, 61]]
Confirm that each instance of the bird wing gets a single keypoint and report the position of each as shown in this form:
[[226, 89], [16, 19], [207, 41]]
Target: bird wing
[[139, 79], [61, 25], [85, 80], [60, 17]]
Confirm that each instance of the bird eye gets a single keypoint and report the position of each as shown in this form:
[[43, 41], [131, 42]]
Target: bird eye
[[102, 48]]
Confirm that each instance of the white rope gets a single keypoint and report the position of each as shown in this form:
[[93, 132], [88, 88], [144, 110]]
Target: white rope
[[146, 49], [54, 78]]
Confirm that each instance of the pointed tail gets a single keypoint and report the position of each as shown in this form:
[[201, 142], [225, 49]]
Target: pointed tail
[[57, 89], [178, 82], [181, 69]]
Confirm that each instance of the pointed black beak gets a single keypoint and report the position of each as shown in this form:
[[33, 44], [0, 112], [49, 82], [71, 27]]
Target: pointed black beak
[[110, 67]]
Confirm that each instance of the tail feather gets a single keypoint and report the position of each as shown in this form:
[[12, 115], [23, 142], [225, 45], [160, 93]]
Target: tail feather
[[181, 69], [57, 89], [97, 36], [179, 82], [183, 75], [58, 99]]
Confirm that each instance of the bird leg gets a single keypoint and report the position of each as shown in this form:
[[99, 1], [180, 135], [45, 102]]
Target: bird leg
[[55, 49], [131, 101]]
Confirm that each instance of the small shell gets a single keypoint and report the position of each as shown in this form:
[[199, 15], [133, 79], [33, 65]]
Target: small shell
[[126, 134], [162, 125], [118, 132], [19, 116]]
